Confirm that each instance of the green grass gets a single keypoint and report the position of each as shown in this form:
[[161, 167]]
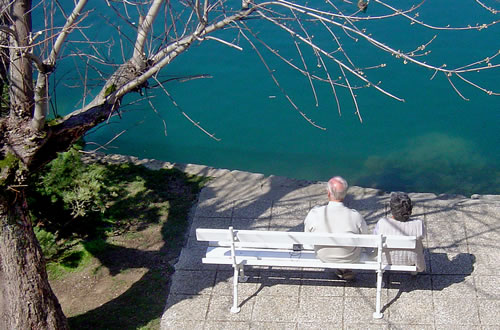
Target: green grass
[[138, 199], [70, 261]]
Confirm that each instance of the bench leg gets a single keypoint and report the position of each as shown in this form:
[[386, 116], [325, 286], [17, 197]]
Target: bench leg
[[235, 308], [241, 277], [378, 314]]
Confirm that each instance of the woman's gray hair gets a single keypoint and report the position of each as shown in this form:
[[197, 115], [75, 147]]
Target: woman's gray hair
[[401, 206], [338, 194]]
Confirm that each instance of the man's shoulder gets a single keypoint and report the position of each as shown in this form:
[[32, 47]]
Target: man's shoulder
[[318, 208], [356, 214], [352, 210], [417, 221]]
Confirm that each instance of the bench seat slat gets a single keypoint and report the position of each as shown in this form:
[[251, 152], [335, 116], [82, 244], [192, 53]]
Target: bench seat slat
[[288, 263], [290, 258]]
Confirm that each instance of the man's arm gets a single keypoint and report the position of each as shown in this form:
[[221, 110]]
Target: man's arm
[[363, 228], [309, 222], [423, 230], [375, 230]]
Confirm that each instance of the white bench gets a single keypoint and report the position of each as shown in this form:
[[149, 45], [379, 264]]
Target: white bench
[[241, 248]]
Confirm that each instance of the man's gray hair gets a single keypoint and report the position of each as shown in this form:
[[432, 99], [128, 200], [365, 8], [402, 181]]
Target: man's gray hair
[[337, 192]]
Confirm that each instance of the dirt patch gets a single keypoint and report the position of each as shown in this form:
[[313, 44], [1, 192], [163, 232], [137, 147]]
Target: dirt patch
[[134, 271]]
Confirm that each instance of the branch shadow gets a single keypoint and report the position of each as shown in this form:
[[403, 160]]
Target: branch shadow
[[144, 301]]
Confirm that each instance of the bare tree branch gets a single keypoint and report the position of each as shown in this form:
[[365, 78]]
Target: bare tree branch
[[41, 94]]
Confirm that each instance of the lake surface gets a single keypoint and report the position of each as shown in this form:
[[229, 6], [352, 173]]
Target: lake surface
[[433, 142]]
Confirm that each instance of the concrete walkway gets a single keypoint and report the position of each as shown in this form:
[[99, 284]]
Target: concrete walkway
[[460, 290]]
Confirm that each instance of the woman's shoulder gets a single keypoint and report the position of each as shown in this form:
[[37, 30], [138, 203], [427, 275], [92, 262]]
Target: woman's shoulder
[[416, 220]]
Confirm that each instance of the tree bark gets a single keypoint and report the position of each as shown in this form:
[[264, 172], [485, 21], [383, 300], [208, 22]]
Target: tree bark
[[29, 302]]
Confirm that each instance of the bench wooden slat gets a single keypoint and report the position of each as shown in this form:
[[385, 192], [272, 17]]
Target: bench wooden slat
[[322, 265], [281, 239]]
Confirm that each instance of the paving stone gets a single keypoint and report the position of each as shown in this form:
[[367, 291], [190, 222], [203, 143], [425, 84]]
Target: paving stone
[[182, 325], [364, 326], [312, 191], [481, 216], [251, 224], [442, 208], [201, 170], [213, 223], [485, 238], [220, 309], [193, 282], [214, 208], [406, 286], [226, 325], [371, 207], [273, 325], [453, 286], [490, 327], [488, 287], [321, 309], [319, 326], [360, 310], [407, 310], [224, 284], [413, 327], [186, 307], [287, 224], [274, 283], [451, 263], [190, 259], [364, 285], [323, 283], [252, 209], [487, 246], [446, 238], [483, 266], [307, 191], [489, 311], [290, 210], [228, 187], [482, 224], [422, 197], [453, 311], [276, 309]]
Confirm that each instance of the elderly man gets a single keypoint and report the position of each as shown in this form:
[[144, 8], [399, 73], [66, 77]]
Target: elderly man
[[336, 218]]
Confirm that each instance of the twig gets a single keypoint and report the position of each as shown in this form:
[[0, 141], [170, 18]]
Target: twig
[[197, 124]]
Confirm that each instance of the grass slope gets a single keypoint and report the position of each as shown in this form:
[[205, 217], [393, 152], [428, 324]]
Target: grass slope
[[112, 272]]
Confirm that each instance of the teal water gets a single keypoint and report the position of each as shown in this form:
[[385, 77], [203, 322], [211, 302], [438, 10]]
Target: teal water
[[432, 142]]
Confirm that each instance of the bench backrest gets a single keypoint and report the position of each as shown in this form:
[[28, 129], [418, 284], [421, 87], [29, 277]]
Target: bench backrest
[[284, 239]]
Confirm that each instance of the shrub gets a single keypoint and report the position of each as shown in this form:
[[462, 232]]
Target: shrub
[[66, 189]]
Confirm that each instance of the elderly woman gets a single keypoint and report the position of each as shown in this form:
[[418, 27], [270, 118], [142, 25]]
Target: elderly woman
[[400, 224]]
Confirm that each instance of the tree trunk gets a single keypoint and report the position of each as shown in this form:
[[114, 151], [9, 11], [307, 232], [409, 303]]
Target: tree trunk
[[29, 302]]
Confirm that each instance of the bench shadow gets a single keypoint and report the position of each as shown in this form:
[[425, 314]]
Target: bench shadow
[[450, 272]]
